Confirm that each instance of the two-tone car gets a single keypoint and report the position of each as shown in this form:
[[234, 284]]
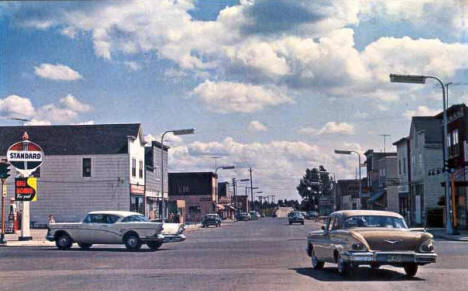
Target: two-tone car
[[211, 219], [114, 227], [352, 238], [296, 217]]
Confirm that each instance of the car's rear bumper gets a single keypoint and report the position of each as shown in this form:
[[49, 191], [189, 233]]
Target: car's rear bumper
[[170, 238], [389, 258], [156, 238]]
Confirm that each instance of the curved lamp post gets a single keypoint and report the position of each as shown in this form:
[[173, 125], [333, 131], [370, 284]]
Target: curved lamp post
[[174, 132], [421, 79]]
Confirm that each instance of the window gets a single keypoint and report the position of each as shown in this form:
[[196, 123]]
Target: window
[[86, 167], [336, 223], [101, 218], [135, 218], [375, 221], [399, 166], [455, 136], [133, 168], [140, 169], [137, 204], [404, 165]]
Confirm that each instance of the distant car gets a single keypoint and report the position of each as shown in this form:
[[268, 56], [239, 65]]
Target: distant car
[[296, 217], [113, 227], [312, 215], [254, 215], [243, 216], [211, 219], [351, 238]]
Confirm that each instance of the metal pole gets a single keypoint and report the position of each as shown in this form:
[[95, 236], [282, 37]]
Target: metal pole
[[448, 214], [2, 235], [164, 212], [251, 188]]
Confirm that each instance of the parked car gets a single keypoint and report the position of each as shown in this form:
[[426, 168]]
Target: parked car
[[312, 215], [243, 216], [211, 219], [114, 227], [296, 217], [254, 215], [352, 238]]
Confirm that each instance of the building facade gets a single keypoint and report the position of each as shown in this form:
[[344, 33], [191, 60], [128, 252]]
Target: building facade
[[404, 177], [85, 168], [197, 189], [154, 198], [348, 193]]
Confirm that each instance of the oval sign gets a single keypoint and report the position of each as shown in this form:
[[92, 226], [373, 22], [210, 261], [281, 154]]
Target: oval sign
[[25, 156]]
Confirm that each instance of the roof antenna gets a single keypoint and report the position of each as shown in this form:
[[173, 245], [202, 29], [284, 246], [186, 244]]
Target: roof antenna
[[384, 140]]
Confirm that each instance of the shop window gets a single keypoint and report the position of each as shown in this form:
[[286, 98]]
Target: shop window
[[133, 168], [137, 204], [86, 167]]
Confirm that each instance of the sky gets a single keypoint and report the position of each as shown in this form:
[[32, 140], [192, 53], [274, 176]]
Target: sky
[[274, 85]]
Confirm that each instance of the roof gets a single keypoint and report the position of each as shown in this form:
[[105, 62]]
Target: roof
[[401, 140], [430, 125], [73, 139], [348, 213], [450, 110], [115, 212]]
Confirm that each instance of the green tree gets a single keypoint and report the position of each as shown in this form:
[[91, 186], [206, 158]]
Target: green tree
[[316, 183]]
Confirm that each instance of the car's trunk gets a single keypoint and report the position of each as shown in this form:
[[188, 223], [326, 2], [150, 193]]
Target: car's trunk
[[389, 239]]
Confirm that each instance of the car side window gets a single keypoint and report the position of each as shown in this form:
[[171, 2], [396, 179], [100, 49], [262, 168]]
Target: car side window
[[96, 218], [336, 223], [111, 219], [134, 218]]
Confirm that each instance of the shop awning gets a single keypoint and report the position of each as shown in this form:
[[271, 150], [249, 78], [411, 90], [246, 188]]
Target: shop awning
[[375, 196]]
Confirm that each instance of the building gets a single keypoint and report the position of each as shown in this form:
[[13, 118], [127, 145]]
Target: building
[[457, 125], [347, 193], [85, 168], [241, 203], [425, 152], [197, 189], [382, 181], [225, 208], [154, 198], [404, 177]]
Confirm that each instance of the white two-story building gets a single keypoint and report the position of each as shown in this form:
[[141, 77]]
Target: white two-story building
[[85, 168]]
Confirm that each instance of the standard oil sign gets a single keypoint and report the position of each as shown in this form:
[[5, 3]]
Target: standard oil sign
[[26, 189]]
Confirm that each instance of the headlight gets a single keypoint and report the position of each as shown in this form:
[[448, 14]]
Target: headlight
[[426, 246], [358, 246]]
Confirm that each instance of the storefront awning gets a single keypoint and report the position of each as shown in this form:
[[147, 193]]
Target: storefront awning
[[375, 196]]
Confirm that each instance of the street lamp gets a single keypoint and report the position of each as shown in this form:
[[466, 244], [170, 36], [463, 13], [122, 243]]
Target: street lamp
[[421, 79], [174, 132], [224, 168], [344, 152]]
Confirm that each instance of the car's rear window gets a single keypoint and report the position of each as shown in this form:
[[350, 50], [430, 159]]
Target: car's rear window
[[375, 221]]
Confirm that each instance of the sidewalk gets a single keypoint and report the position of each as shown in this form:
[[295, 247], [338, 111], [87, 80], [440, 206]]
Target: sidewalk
[[38, 239], [442, 233]]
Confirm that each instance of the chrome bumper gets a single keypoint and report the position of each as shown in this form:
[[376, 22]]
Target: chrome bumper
[[168, 238], [156, 238], [391, 258]]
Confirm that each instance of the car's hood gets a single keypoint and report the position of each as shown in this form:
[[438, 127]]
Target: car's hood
[[384, 239]]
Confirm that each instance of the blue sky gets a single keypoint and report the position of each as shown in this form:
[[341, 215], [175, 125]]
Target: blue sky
[[276, 85]]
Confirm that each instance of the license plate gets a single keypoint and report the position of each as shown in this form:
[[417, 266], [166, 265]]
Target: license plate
[[394, 258]]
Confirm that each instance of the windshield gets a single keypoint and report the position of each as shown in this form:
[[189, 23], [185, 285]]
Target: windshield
[[375, 221]]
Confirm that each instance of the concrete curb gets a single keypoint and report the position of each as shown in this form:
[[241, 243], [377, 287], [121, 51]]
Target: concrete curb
[[30, 243]]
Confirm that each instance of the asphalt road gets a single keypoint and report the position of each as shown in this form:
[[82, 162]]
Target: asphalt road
[[267, 254]]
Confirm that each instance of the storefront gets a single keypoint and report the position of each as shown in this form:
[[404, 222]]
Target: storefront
[[137, 198]]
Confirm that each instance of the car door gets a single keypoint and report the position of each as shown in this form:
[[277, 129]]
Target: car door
[[98, 229], [336, 237], [322, 241]]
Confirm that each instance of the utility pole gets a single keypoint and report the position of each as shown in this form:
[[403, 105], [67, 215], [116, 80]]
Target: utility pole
[[4, 194], [234, 192], [251, 187], [384, 140]]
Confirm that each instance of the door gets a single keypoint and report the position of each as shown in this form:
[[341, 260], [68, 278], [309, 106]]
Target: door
[[99, 229], [322, 242]]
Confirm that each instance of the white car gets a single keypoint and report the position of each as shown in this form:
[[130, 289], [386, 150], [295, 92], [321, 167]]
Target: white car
[[114, 227]]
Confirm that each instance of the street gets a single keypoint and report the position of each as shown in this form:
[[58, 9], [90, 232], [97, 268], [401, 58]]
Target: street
[[267, 254]]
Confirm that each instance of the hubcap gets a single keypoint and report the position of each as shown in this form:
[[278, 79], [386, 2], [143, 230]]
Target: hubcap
[[132, 242], [63, 241]]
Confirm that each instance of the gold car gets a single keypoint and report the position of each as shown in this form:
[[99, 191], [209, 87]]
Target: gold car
[[352, 238]]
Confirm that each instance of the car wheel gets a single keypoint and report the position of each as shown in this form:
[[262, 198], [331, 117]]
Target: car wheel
[[132, 242], [345, 269], [154, 245], [84, 246], [316, 264], [411, 269], [63, 242]]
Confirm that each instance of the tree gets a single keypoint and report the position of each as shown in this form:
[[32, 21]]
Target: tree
[[316, 183]]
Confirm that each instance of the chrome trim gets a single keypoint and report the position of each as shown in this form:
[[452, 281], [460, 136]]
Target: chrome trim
[[366, 257]]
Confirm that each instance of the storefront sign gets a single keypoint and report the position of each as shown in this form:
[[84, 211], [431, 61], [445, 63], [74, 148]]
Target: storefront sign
[[26, 189], [137, 189]]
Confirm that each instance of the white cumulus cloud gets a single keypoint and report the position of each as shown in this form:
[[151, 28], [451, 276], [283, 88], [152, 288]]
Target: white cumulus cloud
[[256, 125], [57, 72], [421, 111]]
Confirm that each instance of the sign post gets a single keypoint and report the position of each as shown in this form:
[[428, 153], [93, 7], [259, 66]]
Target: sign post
[[26, 157], [4, 194]]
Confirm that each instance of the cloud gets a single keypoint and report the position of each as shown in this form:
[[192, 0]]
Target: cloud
[[67, 110], [330, 128], [134, 66], [421, 111], [57, 72], [15, 106], [228, 97], [256, 125]]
